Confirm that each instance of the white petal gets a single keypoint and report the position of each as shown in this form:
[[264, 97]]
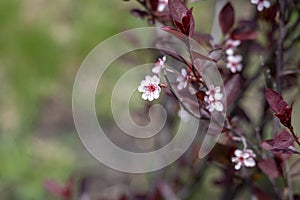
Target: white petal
[[179, 78], [250, 152], [148, 78], [185, 84], [250, 162], [164, 58], [143, 83], [161, 7], [156, 69], [144, 96], [218, 96], [260, 7], [206, 99], [211, 98], [267, 4], [238, 153], [234, 159], [183, 72], [238, 166], [150, 97], [236, 43], [233, 69], [141, 88], [255, 1], [229, 51], [180, 85], [238, 58], [155, 95], [229, 66], [219, 106], [155, 79]]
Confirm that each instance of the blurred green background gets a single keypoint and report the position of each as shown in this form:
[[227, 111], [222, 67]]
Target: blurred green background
[[42, 44]]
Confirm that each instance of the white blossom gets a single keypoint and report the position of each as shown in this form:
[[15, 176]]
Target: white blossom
[[213, 99], [150, 88], [160, 63], [243, 158], [231, 46], [234, 63], [261, 4], [162, 4], [182, 79]]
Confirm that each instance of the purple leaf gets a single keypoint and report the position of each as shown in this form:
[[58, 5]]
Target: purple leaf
[[283, 140], [281, 144], [174, 32], [246, 30], [201, 56], [280, 107], [232, 88], [153, 4], [275, 101], [269, 167], [182, 17], [226, 18], [203, 38]]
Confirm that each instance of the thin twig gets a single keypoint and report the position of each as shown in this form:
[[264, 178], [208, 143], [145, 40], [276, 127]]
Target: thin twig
[[180, 99]]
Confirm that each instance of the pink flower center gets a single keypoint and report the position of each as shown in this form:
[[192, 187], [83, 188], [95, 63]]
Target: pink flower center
[[151, 88], [241, 159], [234, 64]]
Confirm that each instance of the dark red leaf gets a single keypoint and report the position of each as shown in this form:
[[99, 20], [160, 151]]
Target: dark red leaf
[[232, 88], [275, 101], [280, 107], [260, 194], [281, 145], [201, 56], [283, 140], [226, 18], [153, 4], [245, 30], [174, 32], [269, 167], [270, 13], [182, 17]]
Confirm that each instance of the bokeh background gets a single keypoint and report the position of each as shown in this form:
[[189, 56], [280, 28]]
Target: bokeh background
[[42, 44]]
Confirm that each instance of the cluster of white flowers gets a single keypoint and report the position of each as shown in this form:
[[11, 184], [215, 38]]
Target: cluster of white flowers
[[233, 61], [150, 87], [213, 99], [243, 158], [261, 4], [162, 4]]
